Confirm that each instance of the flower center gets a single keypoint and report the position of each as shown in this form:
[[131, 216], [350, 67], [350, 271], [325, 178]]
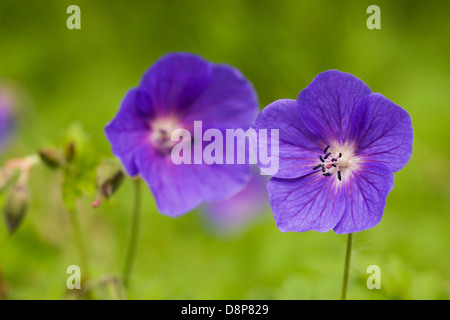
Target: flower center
[[337, 160], [161, 133]]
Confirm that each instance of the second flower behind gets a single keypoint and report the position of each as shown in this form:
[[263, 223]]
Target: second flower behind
[[177, 90]]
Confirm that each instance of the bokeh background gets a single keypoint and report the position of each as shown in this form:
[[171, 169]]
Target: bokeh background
[[82, 75]]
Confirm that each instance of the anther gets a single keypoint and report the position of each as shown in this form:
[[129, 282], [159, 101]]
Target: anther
[[326, 149], [317, 167], [333, 165], [333, 160], [327, 155], [323, 168], [327, 174], [321, 159], [340, 154], [339, 175]]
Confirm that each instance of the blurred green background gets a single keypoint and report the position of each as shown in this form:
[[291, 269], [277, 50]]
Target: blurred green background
[[280, 46]]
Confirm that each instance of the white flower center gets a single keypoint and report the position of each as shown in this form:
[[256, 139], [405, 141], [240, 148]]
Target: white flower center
[[161, 133], [338, 160]]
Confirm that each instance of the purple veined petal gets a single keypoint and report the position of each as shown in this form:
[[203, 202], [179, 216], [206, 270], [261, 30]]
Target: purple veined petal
[[180, 188], [299, 149], [365, 192], [312, 202], [175, 81], [179, 89], [129, 129], [382, 132], [234, 212], [328, 104], [228, 102]]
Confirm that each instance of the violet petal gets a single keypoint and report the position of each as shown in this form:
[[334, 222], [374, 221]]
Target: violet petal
[[228, 102], [129, 129], [175, 81], [311, 202], [180, 188], [382, 132], [365, 193], [298, 148], [328, 104]]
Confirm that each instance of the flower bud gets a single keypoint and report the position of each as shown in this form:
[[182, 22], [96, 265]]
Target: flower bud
[[69, 151], [51, 157], [109, 177], [16, 206]]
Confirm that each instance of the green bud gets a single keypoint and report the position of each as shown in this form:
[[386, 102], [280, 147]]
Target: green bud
[[109, 177], [15, 207], [69, 151], [51, 157]]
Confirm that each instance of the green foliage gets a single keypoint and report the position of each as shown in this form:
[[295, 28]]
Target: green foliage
[[77, 157], [79, 171]]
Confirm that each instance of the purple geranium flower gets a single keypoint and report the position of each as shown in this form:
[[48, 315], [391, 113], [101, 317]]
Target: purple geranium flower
[[177, 90], [339, 147]]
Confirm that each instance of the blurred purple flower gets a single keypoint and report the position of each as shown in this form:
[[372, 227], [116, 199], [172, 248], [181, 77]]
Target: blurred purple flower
[[7, 120], [339, 147], [238, 210], [177, 90]]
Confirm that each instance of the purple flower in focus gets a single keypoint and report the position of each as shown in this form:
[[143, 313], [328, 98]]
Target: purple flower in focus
[[177, 90], [231, 213], [340, 145]]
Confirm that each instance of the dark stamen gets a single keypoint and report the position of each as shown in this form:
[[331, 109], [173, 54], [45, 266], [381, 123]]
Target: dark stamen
[[317, 167], [323, 168], [340, 154], [339, 175], [333, 160], [327, 155], [163, 132], [326, 174], [326, 149], [333, 165], [321, 159]]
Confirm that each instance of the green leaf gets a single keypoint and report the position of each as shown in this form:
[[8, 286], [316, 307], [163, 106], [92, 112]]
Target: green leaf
[[79, 172]]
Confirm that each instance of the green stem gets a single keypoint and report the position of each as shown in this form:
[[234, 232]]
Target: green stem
[[134, 233], [79, 242], [347, 266]]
